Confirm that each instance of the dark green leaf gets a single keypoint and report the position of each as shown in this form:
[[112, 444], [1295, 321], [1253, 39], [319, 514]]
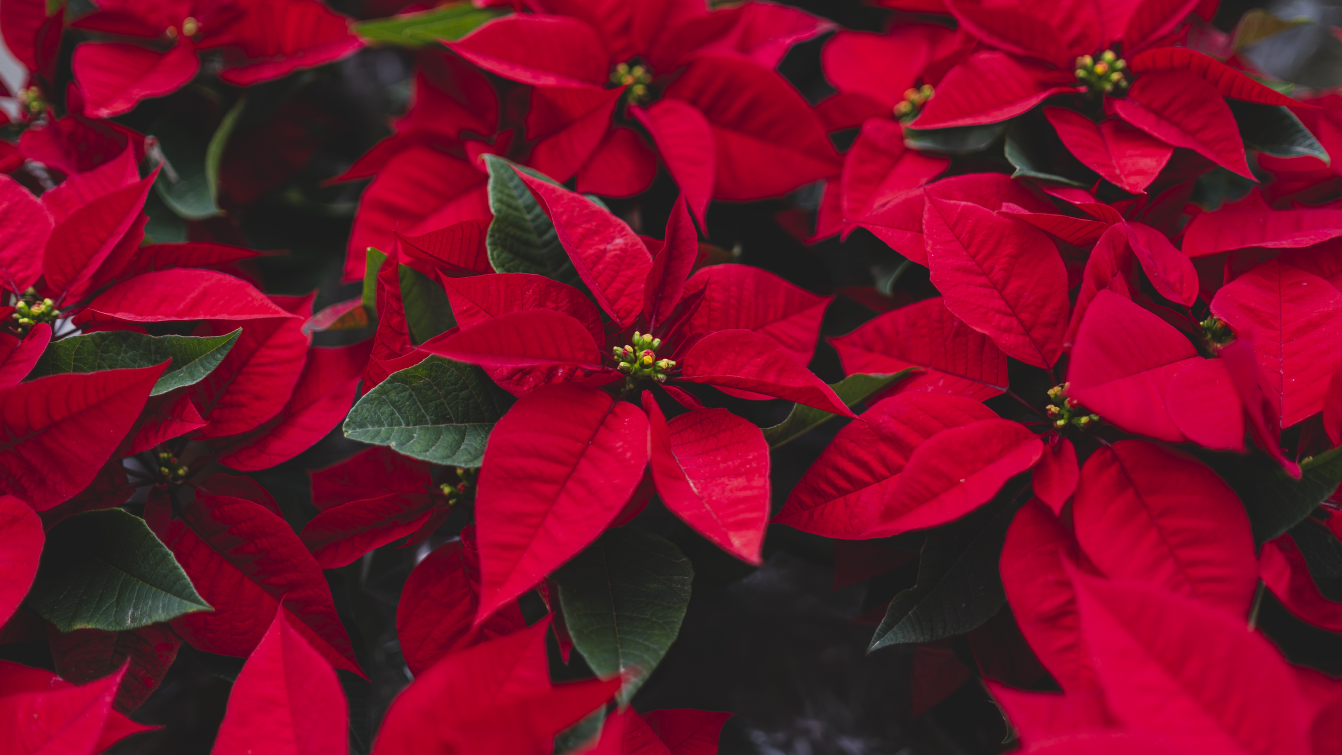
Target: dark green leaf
[[521, 238], [623, 600], [853, 390], [1275, 502], [192, 357], [1323, 555], [1034, 149], [188, 182], [449, 22], [106, 570], [373, 263], [954, 140], [439, 411], [1274, 130], [427, 310], [214, 151], [959, 586]]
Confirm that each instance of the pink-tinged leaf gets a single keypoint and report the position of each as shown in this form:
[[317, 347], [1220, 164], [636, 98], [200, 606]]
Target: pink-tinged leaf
[[1149, 20], [244, 560], [437, 607], [42, 715], [320, 400], [671, 266], [1055, 476], [1284, 571], [1182, 110], [181, 294], [114, 77], [740, 296], [711, 469], [1237, 226], [686, 731], [527, 338], [558, 468], [1003, 278], [342, 534], [878, 168], [369, 474], [1109, 267], [78, 245], [844, 492], [684, 137], [256, 379], [954, 472], [541, 50], [1230, 82], [988, 87], [1202, 401], [1123, 360], [494, 697], [84, 655], [24, 226], [1332, 408], [1146, 514], [21, 20], [1041, 595], [1170, 270], [609, 256], [952, 358], [480, 298], [1261, 404], [456, 251], [1161, 660], [18, 357], [1291, 317], [1045, 717], [278, 38], [56, 431], [744, 360], [21, 541], [285, 701], [1125, 156]]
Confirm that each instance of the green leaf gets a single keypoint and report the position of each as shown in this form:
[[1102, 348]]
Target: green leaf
[[449, 22], [1274, 130], [427, 310], [192, 357], [372, 265], [1034, 149], [623, 600], [1323, 556], [853, 390], [188, 183], [106, 570], [1259, 24], [1275, 502], [959, 586], [438, 411], [521, 238], [954, 140], [214, 151]]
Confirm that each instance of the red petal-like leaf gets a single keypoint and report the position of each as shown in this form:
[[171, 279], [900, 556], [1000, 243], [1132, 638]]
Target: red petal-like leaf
[[747, 361], [626, 733], [541, 50], [84, 655], [1284, 571], [1125, 156], [255, 380], [278, 38], [1182, 110], [21, 541], [79, 244], [369, 474], [24, 226], [456, 251], [878, 168], [1109, 267], [671, 266], [18, 357], [1045, 717], [1055, 476], [527, 338], [42, 715], [114, 77], [1170, 270], [1017, 30], [82, 188], [477, 299], [341, 534], [1152, 19], [684, 138], [1237, 226], [987, 87], [1202, 401], [686, 731], [1230, 82], [163, 418], [182, 294], [740, 296]]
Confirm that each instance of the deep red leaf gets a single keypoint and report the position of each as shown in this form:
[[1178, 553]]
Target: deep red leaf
[[256, 379], [368, 474], [1180, 109], [524, 338], [573, 123], [1014, 28], [744, 360], [278, 38], [182, 294], [684, 138], [18, 357], [43, 715], [114, 77], [739, 296], [1109, 267], [1125, 156], [878, 168], [987, 87], [624, 732], [21, 541], [79, 244], [1150, 20], [1230, 82], [24, 226], [687, 731], [1170, 270], [457, 250], [671, 266], [541, 50], [84, 655], [477, 299], [1204, 405], [246, 488], [1055, 476], [1237, 226], [82, 188], [1332, 408], [340, 535], [1284, 571]]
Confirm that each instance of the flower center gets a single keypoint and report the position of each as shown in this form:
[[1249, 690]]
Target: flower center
[[639, 361], [31, 100], [170, 469], [636, 77], [464, 490], [1104, 75], [30, 311], [190, 28], [1064, 410], [913, 102], [1215, 333]]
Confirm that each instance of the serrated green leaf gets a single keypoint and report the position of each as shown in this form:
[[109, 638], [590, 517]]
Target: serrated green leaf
[[1275, 502], [373, 264], [953, 140], [852, 390], [521, 238], [106, 570], [192, 357], [427, 310], [1323, 555], [449, 22], [959, 586], [623, 600], [439, 411], [1274, 130]]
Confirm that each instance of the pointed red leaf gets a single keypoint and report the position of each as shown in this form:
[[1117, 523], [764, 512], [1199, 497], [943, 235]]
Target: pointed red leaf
[[1055, 476], [1261, 405], [541, 50], [671, 267], [1109, 266], [341, 534], [21, 541], [739, 296], [1204, 405], [1170, 270], [457, 250], [558, 468], [1040, 717], [1125, 156], [79, 244], [686, 731], [1231, 83], [84, 655], [285, 701], [24, 226], [243, 559], [684, 138], [479, 298], [624, 732], [526, 338], [114, 77], [1001, 277], [1284, 571], [58, 430], [153, 257], [573, 123], [1018, 30], [256, 379], [844, 492], [1237, 226], [987, 87], [369, 474], [1149, 20], [747, 361], [163, 418], [1180, 109], [878, 168], [82, 188], [712, 470], [42, 715], [181, 294], [278, 38], [18, 357]]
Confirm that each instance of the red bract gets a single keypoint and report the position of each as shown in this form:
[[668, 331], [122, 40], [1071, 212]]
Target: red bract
[[23, 541], [42, 713]]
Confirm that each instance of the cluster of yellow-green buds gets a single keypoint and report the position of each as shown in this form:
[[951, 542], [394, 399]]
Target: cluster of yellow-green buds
[[190, 28], [1215, 333], [1064, 410], [464, 490], [29, 311], [171, 469], [637, 77], [639, 361], [1103, 75], [914, 99], [31, 100]]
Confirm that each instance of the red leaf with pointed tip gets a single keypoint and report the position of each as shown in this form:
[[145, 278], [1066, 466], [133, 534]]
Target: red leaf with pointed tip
[[1125, 156], [79, 244], [1002, 278], [684, 137], [1182, 110], [457, 250], [369, 474], [558, 468], [246, 488], [477, 299], [671, 267], [686, 731], [1170, 270], [1109, 266], [843, 493], [1239, 227], [1043, 716], [1205, 406], [1123, 360], [437, 607], [954, 472], [952, 358], [278, 38], [1161, 659], [1284, 571], [57, 431], [114, 77], [341, 534], [541, 50], [573, 123], [285, 701], [18, 357], [24, 226], [243, 559], [181, 294], [1231, 83], [1055, 476], [609, 256], [1076, 231], [526, 338], [1017, 30], [256, 378], [21, 541], [42, 715], [878, 168], [1151, 19], [153, 257], [1146, 514], [82, 188], [163, 418], [626, 733], [1260, 404], [747, 361], [711, 469], [987, 87], [740, 296], [84, 655], [1292, 319]]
